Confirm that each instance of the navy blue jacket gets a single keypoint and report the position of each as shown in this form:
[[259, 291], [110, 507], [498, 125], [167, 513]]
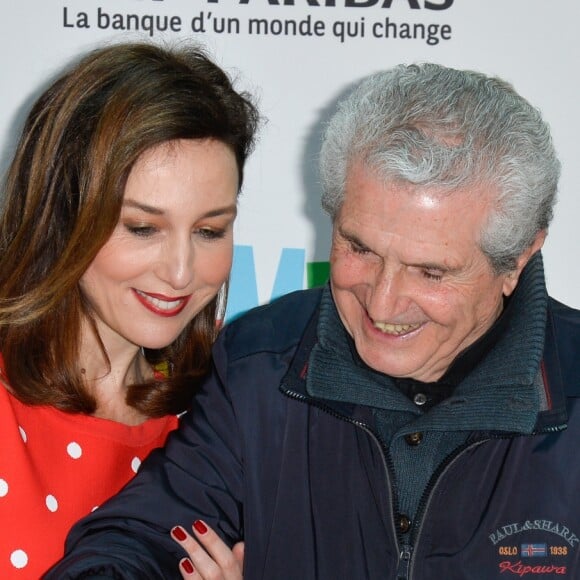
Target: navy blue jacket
[[307, 483]]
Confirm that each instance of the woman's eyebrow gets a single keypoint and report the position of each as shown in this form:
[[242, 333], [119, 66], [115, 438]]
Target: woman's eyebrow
[[215, 212], [143, 207]]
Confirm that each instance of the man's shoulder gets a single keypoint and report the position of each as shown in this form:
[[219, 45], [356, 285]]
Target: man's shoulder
[[565, 315], [274, 327], [565, 322]]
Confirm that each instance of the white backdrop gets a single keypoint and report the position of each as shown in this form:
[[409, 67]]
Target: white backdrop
[[299, 56]]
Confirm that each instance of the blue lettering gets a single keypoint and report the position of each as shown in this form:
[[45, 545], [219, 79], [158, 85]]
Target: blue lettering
[[290, 275], [243, 291]]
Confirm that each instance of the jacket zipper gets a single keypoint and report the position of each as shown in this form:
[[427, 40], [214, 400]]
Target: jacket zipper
[[405, 557], [425, 500]]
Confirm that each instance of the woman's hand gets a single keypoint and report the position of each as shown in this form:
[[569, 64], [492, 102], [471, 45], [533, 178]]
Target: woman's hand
[[215, 562]]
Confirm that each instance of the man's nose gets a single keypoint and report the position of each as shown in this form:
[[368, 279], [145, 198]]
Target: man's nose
[[389, 294]]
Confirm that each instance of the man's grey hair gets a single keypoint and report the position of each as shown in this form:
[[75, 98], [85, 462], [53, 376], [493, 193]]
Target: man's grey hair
[[437, 127]]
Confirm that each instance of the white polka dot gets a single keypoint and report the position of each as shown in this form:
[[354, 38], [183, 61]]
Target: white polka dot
[[95, 508], [19, 558], [51, 503], [23, 434], [3, 487], [74, 450], [135, 464]]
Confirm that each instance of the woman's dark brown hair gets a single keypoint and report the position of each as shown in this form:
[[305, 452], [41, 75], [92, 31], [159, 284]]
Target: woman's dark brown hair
[[62, 200]]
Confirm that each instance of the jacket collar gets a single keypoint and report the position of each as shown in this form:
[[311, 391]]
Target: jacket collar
[[554, 416]]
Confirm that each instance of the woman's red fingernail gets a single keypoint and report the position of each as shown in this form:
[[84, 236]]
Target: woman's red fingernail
[[178, 533], [200, 527], [187, 566]]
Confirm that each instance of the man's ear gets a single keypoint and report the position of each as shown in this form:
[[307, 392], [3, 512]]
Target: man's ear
[[511, 279]]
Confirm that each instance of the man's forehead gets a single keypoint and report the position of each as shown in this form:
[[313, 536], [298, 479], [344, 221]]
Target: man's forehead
[[361, 179], [422, 224]]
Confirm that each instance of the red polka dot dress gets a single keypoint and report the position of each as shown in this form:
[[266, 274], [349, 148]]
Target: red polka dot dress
[[54, 469]]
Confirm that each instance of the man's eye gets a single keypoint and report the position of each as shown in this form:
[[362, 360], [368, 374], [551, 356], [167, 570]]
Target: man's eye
[[358, 249], [431, 275]]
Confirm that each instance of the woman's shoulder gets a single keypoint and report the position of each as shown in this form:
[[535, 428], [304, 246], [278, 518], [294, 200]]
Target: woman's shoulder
[[60, 467]]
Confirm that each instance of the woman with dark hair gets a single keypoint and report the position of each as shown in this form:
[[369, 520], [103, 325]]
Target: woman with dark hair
[[115, 248]]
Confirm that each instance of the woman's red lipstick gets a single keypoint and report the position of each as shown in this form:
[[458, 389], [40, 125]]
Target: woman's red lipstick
[[162, 305]]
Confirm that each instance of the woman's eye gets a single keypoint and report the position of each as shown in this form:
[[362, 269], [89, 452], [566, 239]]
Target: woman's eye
[[211, 234], [141, 231]]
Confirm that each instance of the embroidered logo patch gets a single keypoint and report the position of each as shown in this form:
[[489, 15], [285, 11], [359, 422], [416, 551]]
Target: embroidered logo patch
[[534, 547]]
